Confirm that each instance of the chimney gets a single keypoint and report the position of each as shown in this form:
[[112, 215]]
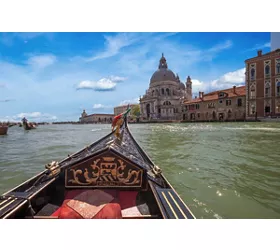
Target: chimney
[[195, 97], [199, 94], [259, 52], [234, 89], [202, 95]]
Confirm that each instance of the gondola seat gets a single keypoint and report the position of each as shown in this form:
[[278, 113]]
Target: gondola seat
[[89, 204]]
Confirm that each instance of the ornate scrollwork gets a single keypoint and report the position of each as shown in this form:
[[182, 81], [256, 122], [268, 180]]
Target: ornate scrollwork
[[104, 171]]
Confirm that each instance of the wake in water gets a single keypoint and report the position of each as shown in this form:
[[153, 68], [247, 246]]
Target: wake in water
[[96, 129], [258, 128]]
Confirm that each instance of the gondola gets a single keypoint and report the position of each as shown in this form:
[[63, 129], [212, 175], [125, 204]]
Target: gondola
[[3, 130], [27, 125], [113, 178]]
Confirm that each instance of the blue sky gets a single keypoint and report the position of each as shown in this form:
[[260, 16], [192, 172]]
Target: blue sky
[[54, 76]]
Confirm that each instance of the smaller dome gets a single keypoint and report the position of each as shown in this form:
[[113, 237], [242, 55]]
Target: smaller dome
[[182, 85]]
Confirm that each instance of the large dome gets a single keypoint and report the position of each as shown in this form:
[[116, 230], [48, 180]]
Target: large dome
[[163, 73]]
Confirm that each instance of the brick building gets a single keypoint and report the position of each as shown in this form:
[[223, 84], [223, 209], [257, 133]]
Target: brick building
[[223, 105], [263, 85]]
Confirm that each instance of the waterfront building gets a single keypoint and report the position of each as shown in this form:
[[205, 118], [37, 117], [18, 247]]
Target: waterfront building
[[122, 108], [165, 95], [263, 85], [96, 118], [223, 105]]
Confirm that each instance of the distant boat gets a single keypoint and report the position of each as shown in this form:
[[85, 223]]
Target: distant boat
[[3, 130], [27, 125]]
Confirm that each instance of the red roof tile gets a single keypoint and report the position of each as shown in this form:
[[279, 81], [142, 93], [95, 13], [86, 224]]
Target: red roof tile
[[239, 91]]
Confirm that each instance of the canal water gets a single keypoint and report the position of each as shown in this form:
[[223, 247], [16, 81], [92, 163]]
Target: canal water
[[221, 170]]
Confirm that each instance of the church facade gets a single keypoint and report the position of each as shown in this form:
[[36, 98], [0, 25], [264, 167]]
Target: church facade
[[166, 93]]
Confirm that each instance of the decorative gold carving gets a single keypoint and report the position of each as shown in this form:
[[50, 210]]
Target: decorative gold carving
[[108, 158], [104, 172]]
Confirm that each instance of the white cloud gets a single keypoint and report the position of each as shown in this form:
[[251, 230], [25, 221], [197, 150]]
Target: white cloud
[[101, 106], [8, 38], [29, 115], [29, 35], [41, 61], [180, 57], [103, 84], [229, 79], [221, 46], [259, 46], [113, 44], [132, 101], [98, 106], [32, 116], [226, 81], [117, 79]]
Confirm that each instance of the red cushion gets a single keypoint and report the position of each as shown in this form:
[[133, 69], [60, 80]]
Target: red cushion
[[127, 199], [109, 211]]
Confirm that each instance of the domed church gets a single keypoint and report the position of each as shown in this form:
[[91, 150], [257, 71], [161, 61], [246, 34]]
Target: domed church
[[165, 95]]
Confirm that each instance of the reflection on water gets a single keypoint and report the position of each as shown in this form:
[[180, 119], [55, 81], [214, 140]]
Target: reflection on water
[[221, 170]]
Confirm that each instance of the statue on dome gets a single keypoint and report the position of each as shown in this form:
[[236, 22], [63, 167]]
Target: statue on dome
[[162, 63]]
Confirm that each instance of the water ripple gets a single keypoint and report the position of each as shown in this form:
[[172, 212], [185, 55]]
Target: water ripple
[[221, 170]]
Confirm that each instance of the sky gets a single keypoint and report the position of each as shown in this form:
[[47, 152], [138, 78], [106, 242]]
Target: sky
[[54, 76]]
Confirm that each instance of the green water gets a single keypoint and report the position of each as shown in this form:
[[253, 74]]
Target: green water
[[221, 170]]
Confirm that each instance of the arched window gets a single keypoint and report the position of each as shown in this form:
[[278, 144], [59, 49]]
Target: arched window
[[278, 68], [267, 89], [253, 91], [267, 70], [167, 92], [153, 93], [167, 103], [278, 89], [277, 108], [253, 109], [267, 109], [162, 91], [252, 73]]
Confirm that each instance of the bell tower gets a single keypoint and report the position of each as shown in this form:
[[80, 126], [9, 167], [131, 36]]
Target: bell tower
[[84, 114], [189, 88]]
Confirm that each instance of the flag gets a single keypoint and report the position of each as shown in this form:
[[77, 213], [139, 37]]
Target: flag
[[120, 116]]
